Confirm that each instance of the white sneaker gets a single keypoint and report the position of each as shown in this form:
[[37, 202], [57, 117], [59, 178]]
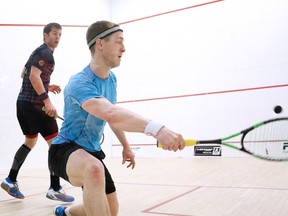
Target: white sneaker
[[59, 195], [12, 188]]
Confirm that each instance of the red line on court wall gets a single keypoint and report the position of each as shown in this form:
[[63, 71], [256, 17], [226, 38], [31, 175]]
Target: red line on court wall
[[206, 93], [134, 145], [172, 11], [148, 17], [38, 25], [138, 19]]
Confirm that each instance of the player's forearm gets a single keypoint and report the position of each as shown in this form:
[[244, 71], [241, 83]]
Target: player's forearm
[[120, 134], [116, 116], [126, 120], [37, 84]]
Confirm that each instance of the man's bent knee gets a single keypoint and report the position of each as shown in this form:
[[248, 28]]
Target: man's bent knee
[[95, 171]]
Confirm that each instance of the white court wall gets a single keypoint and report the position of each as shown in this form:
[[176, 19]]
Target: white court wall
[[221, 46], [217, 47], [18, 42]]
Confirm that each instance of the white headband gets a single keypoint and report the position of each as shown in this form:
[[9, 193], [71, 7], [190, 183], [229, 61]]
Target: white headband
[[104, 34]]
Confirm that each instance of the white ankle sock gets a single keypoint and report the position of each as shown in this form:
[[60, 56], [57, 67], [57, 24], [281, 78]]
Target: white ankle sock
[[67, 211]]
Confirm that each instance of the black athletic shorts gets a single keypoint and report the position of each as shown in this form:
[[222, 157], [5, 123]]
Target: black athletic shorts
[[33, 120], [58, 157]]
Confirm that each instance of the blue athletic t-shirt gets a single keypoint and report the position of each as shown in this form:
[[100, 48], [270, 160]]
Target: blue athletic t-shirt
[[79, 126]]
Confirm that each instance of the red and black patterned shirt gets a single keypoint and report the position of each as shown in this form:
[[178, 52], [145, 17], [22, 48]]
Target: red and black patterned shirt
[[43, 59]]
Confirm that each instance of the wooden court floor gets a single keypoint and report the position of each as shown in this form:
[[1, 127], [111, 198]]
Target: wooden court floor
[[198, 186]]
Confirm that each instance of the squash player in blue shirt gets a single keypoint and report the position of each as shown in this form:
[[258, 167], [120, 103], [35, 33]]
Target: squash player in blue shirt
[[90, 103]]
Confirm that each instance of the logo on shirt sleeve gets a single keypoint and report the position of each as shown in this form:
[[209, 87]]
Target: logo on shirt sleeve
[[41, 63]]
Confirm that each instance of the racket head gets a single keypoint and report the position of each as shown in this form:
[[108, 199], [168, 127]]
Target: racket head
[[267, 140]]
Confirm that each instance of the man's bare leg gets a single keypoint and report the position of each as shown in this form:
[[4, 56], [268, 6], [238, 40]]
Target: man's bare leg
[[85, 170]]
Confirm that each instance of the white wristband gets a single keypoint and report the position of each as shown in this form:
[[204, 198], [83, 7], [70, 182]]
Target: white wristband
[[153, 128]]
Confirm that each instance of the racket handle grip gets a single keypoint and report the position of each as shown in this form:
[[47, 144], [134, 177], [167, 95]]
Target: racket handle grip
[[188, 142], [56, 116]]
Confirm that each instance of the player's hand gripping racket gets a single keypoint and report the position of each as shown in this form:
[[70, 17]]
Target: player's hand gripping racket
[[266, 140], [57, 116]]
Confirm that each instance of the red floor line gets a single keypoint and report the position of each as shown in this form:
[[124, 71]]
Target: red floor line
[[202, 186], [161, 213], [152, 210], [149, 210]]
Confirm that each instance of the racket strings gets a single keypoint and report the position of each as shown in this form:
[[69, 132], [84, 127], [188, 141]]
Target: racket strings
[[269, 141]]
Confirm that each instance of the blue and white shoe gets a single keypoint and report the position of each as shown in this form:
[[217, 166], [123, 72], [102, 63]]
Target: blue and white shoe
[[59, 195], [12, 188], [59, 210]]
